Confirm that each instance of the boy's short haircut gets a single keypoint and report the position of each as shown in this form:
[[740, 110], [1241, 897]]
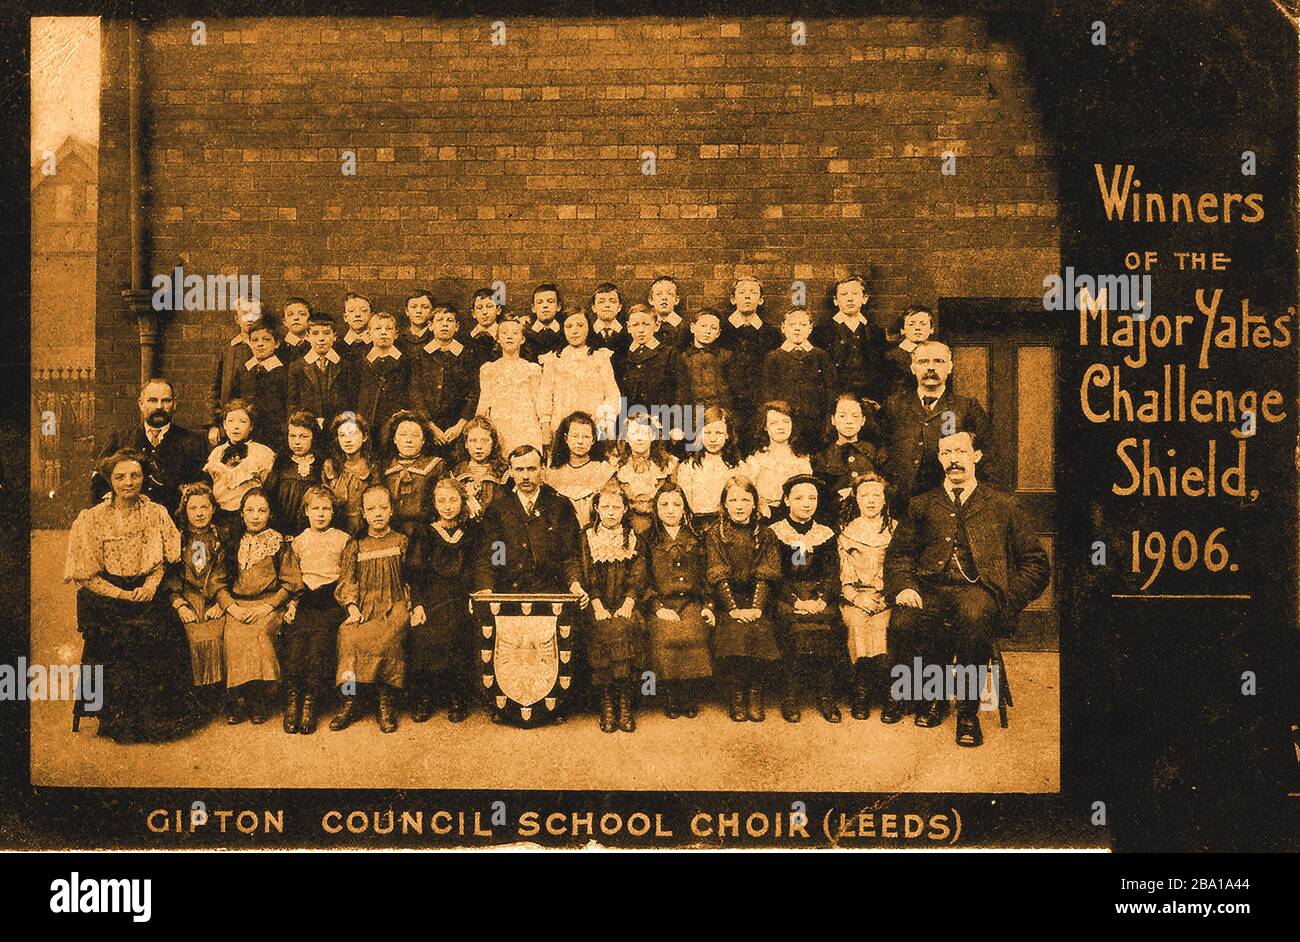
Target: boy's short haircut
[[483, 293], [746, 278], [668, 278], [795, 310], [383, 315], [418, 293], [511, 317], [604, 288], [543, 288], [835, 288], [322, 318], [919, 309], [296, 300], [353, 296], [263, 324], [642, 309]]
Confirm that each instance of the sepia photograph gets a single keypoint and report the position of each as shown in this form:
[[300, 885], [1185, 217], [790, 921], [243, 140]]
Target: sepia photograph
[[866, 427]]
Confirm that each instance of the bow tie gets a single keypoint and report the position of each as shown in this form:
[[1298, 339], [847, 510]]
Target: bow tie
[[235, 454]]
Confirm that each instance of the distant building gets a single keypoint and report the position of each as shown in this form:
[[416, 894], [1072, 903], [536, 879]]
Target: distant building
[[64, 213]]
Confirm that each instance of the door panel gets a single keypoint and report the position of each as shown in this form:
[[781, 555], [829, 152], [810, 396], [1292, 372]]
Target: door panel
[[1005, 356]]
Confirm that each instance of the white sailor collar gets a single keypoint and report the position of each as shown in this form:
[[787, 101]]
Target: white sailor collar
[[453, 346], [311, 356]]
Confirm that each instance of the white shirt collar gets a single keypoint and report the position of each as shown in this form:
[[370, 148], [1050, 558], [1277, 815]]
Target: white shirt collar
[[375, 353], [967, 490], [672, 319], [851, 323], [553, 325], [236, 341], [651, 344], [418, 334], [162, 432], [311, 357], [292, 340], [528, 504], [740, 320], [599, 326], [353, 337], [454, 346], [479, 330], [271, 362], [789, 347]]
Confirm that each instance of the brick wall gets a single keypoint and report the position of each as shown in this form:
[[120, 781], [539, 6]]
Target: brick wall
[[523, 163]]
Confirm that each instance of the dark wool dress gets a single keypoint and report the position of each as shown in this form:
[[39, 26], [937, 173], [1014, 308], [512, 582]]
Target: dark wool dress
[[810, 569], [440, 570], [679, 650], [746, 562], [410, 482], [287, 485], [196, 580], [613, 569], [147, 693]]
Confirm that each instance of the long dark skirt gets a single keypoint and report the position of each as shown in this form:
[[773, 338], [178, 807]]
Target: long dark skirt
[[679, 650], [148, 691], [615, 647], [308, 643]]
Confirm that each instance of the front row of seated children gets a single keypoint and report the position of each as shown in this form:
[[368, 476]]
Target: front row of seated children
[[386, 609]]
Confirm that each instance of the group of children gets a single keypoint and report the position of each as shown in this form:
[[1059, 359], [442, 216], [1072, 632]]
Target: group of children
[[330, 548]]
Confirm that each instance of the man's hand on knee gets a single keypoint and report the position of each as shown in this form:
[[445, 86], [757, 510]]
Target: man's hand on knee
[[909, 598]]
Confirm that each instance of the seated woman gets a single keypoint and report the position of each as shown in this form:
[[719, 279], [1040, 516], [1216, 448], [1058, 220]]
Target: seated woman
[[116, 554]]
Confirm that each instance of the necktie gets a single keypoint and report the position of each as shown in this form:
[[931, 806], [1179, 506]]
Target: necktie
[[154, 435], [956, 496], [928, 402], [320, 364]]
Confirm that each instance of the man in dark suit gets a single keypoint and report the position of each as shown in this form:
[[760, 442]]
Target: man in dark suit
[[961, 566], [175, 455], [913, 421], [530, 534]]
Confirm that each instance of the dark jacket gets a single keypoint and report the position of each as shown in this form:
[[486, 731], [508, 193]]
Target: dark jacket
[[1009, 557], [749, 347], [383, 388], [538, 553], [806, 380], [325, 394], [267, 390], [911, 438], [702, 376], [857, 356], [650, 376], [538, 343], [178, 459], [444, 383], [230, 360]]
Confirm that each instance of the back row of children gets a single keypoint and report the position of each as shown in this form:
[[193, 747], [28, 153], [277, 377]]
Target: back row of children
[[527, 372]]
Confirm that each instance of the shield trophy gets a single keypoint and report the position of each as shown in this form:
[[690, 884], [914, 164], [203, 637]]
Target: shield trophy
[[526, 654]]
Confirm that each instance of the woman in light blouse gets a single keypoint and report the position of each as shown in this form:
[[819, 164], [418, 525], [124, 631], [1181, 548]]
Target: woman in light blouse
[[117, 551]]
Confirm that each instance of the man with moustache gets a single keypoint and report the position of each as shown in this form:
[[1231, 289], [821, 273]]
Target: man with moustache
[[914, 420], [530, 534], [175, 455], [961, 566]]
